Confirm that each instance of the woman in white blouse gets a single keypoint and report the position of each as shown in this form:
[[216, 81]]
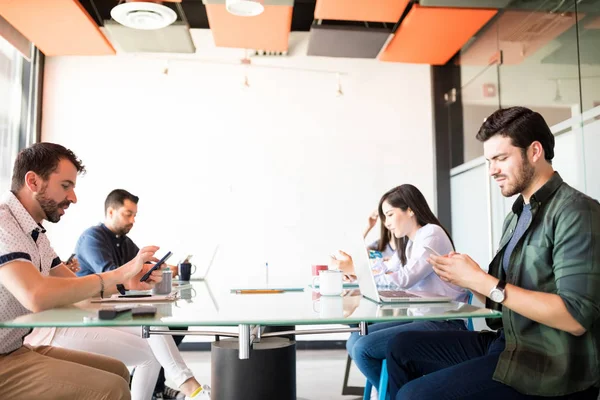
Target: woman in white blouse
[[405, 212]]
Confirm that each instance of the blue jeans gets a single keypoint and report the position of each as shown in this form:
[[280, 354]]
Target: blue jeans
[[369, 351], [452, 365]]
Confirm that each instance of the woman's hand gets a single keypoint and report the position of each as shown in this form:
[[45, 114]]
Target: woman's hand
[[371, 223], [343, 262]]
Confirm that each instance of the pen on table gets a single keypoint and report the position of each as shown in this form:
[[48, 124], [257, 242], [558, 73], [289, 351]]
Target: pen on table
[[258, 291], [267, 273]]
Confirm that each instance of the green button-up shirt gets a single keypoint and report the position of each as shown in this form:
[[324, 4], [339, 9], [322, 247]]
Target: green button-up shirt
[[559, 253]]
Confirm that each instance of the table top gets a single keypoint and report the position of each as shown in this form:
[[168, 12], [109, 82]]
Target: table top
[[207, 304]]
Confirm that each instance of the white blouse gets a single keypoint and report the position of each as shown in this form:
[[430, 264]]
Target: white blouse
[[417, 274]]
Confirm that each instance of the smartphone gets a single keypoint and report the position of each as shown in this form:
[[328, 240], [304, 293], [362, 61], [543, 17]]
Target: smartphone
[[156, 266], [70, 258], [435, 253]]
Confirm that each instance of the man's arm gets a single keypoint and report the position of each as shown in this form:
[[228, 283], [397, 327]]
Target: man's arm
[[546, 308], [94, 251], [37, 292], [62, 271]]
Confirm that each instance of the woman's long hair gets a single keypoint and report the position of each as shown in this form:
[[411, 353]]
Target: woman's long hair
[[404, 197]]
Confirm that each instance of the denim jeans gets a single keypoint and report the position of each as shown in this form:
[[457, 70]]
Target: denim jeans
[[452, 365], [369, 351]]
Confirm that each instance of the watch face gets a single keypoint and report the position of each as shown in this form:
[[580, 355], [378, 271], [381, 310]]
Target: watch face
[[497, 296]]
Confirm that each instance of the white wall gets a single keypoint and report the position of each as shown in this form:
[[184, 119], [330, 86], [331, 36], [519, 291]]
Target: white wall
[[278, 172]]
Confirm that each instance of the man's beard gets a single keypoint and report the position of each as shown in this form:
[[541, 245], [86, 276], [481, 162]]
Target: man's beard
[[124, 230], [49, 206], [523, 179]]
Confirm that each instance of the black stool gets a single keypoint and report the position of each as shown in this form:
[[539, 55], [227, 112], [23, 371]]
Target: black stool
[[269, 373]]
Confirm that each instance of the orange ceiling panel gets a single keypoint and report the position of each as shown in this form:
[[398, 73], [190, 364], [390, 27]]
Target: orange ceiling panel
[[361, 10], [432, 35], [57, 27], [268, 31]]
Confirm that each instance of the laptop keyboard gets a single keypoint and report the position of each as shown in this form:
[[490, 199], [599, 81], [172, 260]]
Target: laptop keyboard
[[397, 293]]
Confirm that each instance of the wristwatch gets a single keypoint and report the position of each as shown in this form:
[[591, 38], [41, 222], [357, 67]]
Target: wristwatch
[[498, 294]]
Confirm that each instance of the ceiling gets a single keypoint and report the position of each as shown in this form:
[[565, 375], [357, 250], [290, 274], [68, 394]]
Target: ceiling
[[409, 31]]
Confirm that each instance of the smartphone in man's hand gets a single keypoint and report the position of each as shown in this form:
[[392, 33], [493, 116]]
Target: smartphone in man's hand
[[155, 267]]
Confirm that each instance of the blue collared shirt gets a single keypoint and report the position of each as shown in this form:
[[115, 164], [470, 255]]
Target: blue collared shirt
[[99, 250]]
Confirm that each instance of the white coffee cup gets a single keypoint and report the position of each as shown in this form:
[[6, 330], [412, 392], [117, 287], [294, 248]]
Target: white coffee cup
[[330, 282], [329, 306]]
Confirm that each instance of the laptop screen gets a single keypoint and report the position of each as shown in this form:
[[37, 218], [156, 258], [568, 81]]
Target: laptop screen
[[362, 267]]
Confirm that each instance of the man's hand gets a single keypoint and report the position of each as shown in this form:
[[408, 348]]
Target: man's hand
[[133, 267], [343, 262], [135, 284], [458, 269], [73, 265], [174, 269]]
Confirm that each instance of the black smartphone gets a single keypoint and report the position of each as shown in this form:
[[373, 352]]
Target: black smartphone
[[156, 266], [134, 296], [70, 258]]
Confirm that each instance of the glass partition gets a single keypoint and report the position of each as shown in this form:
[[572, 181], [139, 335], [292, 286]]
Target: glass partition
[[544, 55], [589, 49]]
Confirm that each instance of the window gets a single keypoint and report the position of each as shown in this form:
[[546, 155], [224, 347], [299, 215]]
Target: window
[[11, 104]]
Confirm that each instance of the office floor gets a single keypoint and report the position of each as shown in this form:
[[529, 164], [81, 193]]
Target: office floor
[[319, 373]]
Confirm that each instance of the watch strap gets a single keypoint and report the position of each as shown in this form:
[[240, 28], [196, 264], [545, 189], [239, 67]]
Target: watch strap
[[501, 285]]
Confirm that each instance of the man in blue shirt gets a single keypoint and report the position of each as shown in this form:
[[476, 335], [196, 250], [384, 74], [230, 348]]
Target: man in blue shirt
[[106, 246]]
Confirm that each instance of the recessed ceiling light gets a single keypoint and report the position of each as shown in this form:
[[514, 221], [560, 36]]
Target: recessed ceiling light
[[245, 8], [143, 15]]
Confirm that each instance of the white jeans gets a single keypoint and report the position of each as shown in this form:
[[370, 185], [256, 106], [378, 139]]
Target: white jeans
[[127, 345]]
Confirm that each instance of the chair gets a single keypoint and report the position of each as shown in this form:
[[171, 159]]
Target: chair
[[383, 384], [470, 320], [383, 380]]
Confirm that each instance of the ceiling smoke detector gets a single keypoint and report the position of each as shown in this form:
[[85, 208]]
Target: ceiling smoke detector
[[245, 8], [143, 15]]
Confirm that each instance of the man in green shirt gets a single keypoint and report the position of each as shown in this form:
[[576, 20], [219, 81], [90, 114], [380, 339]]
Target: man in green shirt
[[545, 278]]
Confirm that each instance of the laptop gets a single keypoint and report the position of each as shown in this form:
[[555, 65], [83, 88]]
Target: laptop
[[210, 263], [368, 287], [204, 278]]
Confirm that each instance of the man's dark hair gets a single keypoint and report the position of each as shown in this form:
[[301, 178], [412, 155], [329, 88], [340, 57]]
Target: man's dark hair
[[117, 197], [522, 125], [41, 158]]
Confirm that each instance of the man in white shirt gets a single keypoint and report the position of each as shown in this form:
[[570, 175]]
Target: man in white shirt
[[33, 279]]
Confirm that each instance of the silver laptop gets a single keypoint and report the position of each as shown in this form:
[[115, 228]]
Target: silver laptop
[[204, 278], [368, 287], [212, 260]]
